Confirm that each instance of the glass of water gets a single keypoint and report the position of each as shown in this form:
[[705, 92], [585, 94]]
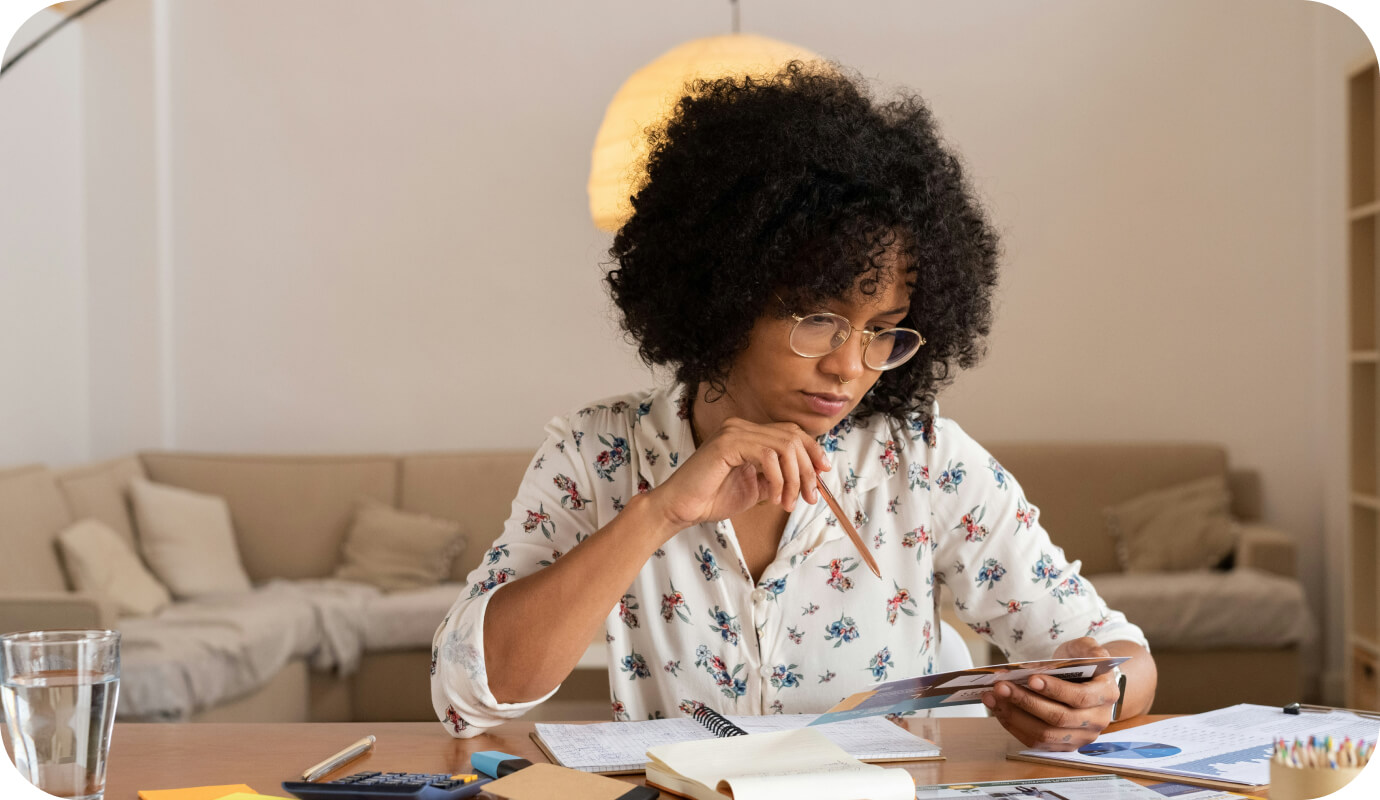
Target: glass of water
[[59, 690]]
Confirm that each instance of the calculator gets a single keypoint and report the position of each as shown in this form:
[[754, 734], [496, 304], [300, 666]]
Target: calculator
[[389, 786]]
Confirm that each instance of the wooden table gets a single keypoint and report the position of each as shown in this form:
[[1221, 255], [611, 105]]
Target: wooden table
[[170, 756]]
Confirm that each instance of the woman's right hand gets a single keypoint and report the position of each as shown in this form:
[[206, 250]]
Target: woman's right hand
[[742, 465]]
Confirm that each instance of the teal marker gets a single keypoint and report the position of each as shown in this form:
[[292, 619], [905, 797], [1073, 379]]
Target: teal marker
[[496, 764]]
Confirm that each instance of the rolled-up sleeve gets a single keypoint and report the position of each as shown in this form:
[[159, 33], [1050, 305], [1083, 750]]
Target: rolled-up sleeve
[[1008, 581], [553, 512]]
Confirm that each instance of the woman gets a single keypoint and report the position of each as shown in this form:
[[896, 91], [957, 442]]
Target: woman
[[813, 268]]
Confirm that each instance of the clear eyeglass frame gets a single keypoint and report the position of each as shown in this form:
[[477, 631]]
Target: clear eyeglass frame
[[843, 331]]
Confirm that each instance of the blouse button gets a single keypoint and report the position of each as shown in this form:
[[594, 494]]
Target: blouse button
[[759, 595], [765, 671]]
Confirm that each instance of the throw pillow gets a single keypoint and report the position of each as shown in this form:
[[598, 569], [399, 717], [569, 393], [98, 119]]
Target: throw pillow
[[187, 539], [395, 550], [1184, 527], [101, 563]]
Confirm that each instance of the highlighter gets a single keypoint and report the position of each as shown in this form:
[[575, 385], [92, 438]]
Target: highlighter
[[496, 764]]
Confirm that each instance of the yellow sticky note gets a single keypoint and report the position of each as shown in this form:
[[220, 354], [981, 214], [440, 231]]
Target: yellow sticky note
[[252, 796], [199, 793]]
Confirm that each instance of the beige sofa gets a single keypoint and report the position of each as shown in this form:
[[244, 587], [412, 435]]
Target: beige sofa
[[291, 514], [1218, 638]]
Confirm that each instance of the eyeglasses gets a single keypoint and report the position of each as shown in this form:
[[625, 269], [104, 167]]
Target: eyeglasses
[[820, 334]]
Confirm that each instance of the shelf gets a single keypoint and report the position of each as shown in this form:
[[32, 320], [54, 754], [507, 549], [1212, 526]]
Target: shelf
[[1362, 431], [1362, 212], [1362, 588], [1361, 137], [1365, 562], [1364, 691], [1361, 253]]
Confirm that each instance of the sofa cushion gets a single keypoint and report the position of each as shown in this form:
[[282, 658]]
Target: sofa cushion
[[1072, 483], [188, 540], [200, 653], [290, 512], [101, 563], [477, 489], [101, 491], [407, 620], [395, 550], [1184, 527], [1207, 610], [32, 513]]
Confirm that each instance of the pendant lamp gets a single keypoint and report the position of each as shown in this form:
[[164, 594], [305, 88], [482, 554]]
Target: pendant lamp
[[648, 97]]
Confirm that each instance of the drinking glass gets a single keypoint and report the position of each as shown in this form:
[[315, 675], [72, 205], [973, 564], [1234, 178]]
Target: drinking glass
[[58, 690]]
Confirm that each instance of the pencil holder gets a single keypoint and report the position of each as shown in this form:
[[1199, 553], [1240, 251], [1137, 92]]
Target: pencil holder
[[1307, 783]]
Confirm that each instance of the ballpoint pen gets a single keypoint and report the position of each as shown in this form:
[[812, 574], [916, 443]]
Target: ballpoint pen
[[847, 526], [340, 759], [1298, 708]]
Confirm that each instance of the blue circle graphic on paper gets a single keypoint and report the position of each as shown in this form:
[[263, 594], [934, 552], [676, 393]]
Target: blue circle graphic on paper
[[1129, 750]]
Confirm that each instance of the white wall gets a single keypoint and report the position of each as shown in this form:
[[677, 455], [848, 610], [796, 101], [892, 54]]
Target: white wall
[[376, 234], [43, 354], [381, 237], [125, 309]]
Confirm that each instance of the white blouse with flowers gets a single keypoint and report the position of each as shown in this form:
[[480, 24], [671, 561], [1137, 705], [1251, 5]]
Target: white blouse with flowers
[[693, 629]]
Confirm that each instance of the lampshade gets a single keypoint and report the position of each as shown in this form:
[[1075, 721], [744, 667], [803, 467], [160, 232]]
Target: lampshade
[[649, 95]]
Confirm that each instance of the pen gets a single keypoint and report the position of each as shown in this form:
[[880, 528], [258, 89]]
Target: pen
[[1299, 708], [340, 759], [847, 526]]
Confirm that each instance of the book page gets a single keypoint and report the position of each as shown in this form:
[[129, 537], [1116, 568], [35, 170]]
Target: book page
[[615, 745], [884, 784], [785, 765]]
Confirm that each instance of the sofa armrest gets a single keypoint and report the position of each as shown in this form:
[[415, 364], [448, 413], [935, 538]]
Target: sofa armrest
[[31, 611], [1267, 549]]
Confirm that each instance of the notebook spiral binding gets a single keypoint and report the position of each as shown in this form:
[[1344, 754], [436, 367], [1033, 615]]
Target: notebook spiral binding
[[716, 723]]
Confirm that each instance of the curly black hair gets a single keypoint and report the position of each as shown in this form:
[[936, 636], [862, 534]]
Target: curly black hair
[[799, 184]]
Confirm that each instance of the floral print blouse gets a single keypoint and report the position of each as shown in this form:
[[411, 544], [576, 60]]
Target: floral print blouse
[[695, 630]]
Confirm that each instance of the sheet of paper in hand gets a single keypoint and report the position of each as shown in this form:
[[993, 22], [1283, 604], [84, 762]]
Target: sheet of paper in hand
[[961, 686]]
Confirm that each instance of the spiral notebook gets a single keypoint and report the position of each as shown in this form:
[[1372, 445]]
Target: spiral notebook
[[621, 747]]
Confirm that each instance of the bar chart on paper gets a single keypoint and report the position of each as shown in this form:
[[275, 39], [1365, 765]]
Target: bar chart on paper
[[1224, 765]]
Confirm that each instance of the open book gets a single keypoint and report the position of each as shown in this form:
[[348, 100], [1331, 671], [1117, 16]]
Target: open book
[[619, 747], [796, 764]]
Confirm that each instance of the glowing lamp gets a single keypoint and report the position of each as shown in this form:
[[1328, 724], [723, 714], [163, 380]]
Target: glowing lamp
[[647, 98]]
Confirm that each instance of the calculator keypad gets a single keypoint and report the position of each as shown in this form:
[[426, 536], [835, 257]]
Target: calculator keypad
[[399, 785]]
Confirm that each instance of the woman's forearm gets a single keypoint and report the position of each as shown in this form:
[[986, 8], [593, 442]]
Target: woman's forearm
[[536, 628], [1141, 677]]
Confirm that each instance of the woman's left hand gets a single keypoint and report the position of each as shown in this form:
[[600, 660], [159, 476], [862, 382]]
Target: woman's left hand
[[1053, 714]]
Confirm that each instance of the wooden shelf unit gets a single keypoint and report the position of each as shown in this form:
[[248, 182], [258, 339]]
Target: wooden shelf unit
[[1363, 388]]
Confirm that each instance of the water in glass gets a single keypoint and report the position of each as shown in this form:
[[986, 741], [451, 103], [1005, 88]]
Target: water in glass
[[59, 724]]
